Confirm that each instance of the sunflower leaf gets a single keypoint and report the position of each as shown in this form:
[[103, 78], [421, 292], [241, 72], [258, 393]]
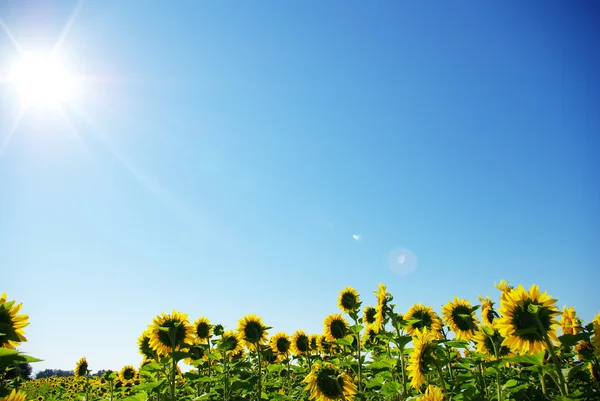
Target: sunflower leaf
[[568, 340], [142, 396], [344, 341], [536, 359]]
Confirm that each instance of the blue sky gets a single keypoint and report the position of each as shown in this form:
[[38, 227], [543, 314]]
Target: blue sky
[[220, 157]]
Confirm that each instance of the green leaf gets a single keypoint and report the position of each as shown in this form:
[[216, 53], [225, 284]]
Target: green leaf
[[510, 383], [390, 389], [402, 341], [568, 340], [142, 396], [537, 359], [457, 344], [356, 328], [344, 341], [150, 385]]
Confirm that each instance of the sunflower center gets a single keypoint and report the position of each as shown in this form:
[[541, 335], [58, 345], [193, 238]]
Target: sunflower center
[[462, 318], [253, 331], [425, 317], [229, 343], [302, 343], [338, 329], [328, 385], [203, 330], [176, 328], [526, 325], [370, 315], [283, 345], [128, 374], [349, 301]]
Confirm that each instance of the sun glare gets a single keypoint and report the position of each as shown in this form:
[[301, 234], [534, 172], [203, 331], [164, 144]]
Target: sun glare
[[42, 80]]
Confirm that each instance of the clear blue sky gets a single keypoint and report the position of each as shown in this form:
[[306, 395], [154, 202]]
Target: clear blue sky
[[221, 156]]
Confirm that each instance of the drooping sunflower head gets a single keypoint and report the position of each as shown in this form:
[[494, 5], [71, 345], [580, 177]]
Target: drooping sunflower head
[[300, 343], [336, 327], [433, 393], [252, 329], [12, 323], [422, 357], [569, 322], [426, 316], [128, 374], [585, 350], [369, 315], [280, 344], [168, 330], [349, 300], [196, 353], [327, 383], [231, 342], [488, 314], [202, 330], [460, 316], [521, 310], [488, 341], [81, 368], [144, 344]]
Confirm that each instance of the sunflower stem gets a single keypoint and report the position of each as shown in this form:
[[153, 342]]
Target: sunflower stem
[[562, 385], [401, 351], [441, 375], [259, 372], [543, 383], [482, 380], [174, 362]]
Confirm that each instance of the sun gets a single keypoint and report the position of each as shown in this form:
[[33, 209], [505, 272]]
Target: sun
[[42, 80]]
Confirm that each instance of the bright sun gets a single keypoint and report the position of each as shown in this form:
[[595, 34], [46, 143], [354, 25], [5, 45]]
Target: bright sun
[[42, 80]]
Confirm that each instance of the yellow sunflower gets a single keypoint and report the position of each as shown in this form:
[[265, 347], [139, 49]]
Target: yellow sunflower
[[349, 301], [252, 329], [11, 333], [460, 316], [569, 323], [280, 343], [382, 295], [596, 337], [518, 325], [81, 368], [300, 343], [15, 396], [421, 357], [231, 342], [505, 287], [144, 344], [202, 330], [179, 332], [428, 319], [327, 383], [128, 374], [488, 341], [488, 314], [314, 341], [336, 327], [432, 393], [369, 315]]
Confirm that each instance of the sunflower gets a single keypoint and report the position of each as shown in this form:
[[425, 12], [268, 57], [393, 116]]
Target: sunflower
[[300, 343], [505, 287], [432, 393], [252, 329], [349, 301], [196, 353], [15, 396], [314, 344], [327, 383], [584, 350], [596, 337], [369, 315], [280, 344], [40, 398], [422, 356], [569, 322], [428, 319], [336, 327], [128, 374], [81, 368], [488, 341], [382, 295], [144, 344], [169, 330], [231, 342], [519, 326], [203, 330], [460, 316], [11, 333], [488, 314]]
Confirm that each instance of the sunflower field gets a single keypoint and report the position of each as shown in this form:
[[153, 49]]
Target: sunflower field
[[525, 349]]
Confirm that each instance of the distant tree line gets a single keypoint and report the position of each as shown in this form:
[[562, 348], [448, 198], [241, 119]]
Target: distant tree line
[[42, 374]]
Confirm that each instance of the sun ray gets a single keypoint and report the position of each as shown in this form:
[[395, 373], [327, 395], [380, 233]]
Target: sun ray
[[67, 27], [12, 129], [11, 37]]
